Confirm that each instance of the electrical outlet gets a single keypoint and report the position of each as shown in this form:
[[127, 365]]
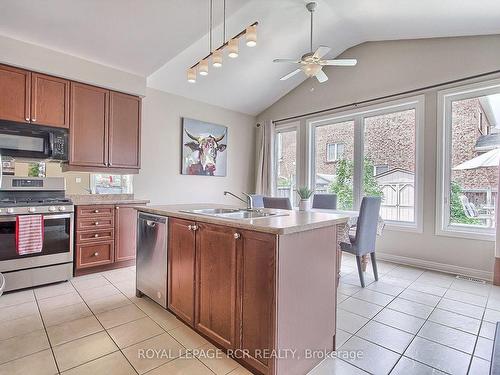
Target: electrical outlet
[[78, 180]]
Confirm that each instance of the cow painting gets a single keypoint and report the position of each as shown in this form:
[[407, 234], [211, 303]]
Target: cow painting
[[204, 148]]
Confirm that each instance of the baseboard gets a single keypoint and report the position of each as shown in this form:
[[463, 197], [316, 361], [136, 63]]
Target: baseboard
[[435, 266]]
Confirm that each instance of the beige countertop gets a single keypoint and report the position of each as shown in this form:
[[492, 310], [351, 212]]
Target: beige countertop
[[288, 222], [91, 199]]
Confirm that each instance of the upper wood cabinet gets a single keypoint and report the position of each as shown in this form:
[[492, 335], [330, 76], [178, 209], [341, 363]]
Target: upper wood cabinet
[[124, 130], [14, 94], [49, 100], [216, 283], [89, 126], [181, 269]]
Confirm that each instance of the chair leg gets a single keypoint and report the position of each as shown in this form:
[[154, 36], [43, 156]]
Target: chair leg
[[374, 265], [360, 271]]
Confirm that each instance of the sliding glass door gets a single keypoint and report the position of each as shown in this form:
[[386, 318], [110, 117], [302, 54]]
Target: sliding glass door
[[285, 157]]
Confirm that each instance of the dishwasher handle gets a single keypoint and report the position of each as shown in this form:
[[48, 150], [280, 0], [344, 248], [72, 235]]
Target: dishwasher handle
[[152, 220]]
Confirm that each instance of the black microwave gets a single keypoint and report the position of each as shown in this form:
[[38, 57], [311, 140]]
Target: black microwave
[[33, 141]]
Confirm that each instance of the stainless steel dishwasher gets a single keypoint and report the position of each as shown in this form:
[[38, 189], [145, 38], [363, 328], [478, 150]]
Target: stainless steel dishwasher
[[151, 263]]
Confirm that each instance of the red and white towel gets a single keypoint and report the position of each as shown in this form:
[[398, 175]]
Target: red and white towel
[[29, 234]]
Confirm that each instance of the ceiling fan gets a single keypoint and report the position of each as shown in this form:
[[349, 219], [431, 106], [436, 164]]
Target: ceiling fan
[[312, 63]]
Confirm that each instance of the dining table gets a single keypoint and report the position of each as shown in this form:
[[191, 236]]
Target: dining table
[[343, 231]]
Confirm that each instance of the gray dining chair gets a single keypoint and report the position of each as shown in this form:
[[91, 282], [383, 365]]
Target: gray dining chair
[[257, 200], [325, 201], [280, 203], [363, 242]]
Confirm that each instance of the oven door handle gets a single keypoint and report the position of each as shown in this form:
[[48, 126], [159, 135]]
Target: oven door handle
[[4, 219]]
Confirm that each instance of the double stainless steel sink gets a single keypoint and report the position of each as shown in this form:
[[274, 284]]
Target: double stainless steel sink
[[234, 213]]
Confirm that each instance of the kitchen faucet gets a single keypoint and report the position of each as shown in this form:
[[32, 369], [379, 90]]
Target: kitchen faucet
[[248, 201]]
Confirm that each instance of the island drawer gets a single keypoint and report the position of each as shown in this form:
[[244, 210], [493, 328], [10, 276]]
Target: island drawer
[[95, 235], [93, 223], [95, 254], [95, 210]]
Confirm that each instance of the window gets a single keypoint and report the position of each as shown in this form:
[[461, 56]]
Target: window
[[335, 177], [379, 156], [285, 178], [334, 152], [468, 181], [379, 169], [110, 184]]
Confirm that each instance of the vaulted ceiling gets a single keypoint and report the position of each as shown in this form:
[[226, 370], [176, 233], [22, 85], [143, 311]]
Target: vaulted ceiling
[[159, 39]]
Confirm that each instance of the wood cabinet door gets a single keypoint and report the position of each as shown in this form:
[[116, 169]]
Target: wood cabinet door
[[256, 297], [181, 269], [216, 283], [14, 94], [124, 130], [125, 232], [89, 126], [49, 100]]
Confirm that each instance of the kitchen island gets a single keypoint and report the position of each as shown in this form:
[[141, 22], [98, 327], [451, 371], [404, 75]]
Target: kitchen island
[[263, 289]]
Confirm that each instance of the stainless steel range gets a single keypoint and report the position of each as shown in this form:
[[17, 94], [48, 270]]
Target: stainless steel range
[[31, 196]]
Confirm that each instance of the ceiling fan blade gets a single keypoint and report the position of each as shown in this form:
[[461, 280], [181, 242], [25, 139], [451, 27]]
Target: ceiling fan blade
[[340, 62], [321, 76], [287, 61], [321, 51], [291, 74]]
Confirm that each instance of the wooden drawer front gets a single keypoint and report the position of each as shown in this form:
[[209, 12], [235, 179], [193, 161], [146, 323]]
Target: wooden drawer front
[[94, 254], [96, 210], [101, 222], [96, 235]]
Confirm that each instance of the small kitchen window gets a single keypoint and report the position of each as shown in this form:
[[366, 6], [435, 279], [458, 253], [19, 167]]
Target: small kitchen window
[[111, 184], [379, 169], [334, 151]]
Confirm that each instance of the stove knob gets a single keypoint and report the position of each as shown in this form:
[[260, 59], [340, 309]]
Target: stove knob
[[62, 208], [31, 209], [10, 210], [52, 208]]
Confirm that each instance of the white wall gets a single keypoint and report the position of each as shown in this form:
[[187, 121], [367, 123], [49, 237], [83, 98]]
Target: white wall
[[48, 61], [389, 68], [160, 180]]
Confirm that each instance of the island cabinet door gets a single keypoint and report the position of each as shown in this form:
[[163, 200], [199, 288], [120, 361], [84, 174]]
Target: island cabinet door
[[256, 296], [216, 283], [181, 269]]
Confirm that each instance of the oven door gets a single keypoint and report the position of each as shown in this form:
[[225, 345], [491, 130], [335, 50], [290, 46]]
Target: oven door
[[57, 243]]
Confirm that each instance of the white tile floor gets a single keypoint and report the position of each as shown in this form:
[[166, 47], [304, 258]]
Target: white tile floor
[[95, 325], [411, 321]]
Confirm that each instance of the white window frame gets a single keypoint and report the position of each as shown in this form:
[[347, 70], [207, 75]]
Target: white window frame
[[335, 152], [357, 115], [444, 144], [283, 128]]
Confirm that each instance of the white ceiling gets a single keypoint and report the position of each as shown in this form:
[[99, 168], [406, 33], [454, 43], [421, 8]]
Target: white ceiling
[[161, 38]]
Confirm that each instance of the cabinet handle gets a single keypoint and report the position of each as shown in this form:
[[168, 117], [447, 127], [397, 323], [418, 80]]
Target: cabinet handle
[[96, 223], [236, 236], [96, 254], [96, 235]]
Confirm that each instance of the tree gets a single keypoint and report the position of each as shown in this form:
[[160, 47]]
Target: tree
[[457, 213], [342, 186]]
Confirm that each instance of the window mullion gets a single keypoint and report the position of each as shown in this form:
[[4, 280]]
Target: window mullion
[[358, 162]]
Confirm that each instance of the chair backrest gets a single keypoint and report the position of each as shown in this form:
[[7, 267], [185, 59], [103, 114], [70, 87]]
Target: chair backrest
[[366, 230], [469, 208], [258, 201], [280, 203], [326, 201]]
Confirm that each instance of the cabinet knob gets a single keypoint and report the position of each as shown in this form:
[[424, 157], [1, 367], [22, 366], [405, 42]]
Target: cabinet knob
[[96, 254], [193, 227], [27, 118], [96, 235], [96, 211], [236, 236], [96, 223], [33, 119], [117, 208]]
